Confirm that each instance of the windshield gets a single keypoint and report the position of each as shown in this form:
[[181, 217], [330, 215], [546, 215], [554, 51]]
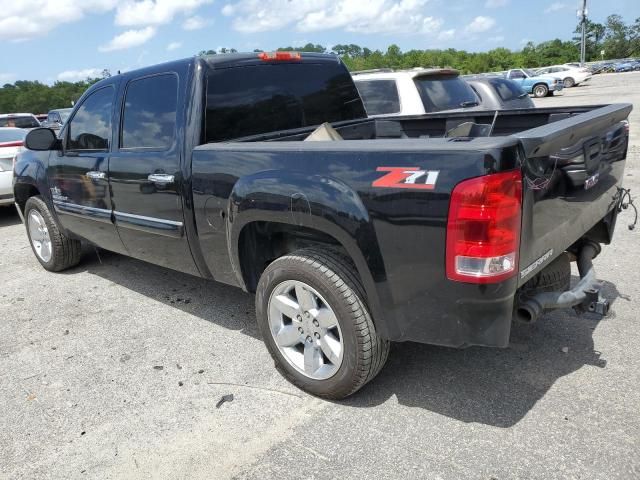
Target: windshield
[[19, 122], [11, 135], [506, 89], [530, 72], [244, 101], [64, 114], [445, 92]]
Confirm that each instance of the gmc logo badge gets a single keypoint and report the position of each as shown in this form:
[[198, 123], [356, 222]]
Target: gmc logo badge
[[406, 177]]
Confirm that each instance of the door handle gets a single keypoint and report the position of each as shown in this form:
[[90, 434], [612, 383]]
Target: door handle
[[161, 178], [96, 175]]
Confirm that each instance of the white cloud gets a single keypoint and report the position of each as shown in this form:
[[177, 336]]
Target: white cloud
[[496, 3], [554, 7], [78, 75], [128, 39], [25, 19], [480, 24], [195, 23], [154, 12], [173, 46], [6, 78], [496, 39], [379, 16], [446, 34]]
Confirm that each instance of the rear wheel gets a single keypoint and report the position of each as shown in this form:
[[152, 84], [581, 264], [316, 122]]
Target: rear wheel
[[569, 82], [313, 318], [540, 90], [54, 250]]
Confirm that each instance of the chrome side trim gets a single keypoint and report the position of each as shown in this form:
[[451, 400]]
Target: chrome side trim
[[167, 228], [82, 211], [158, 226]]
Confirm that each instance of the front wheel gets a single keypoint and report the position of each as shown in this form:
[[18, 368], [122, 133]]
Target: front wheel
[[312, 314], [569, 82], [540, 91], [54, 250]]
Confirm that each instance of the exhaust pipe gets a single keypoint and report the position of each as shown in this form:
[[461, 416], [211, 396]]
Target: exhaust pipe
[[532, 308]]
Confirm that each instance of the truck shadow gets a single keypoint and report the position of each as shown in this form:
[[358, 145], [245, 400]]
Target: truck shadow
[[495, 387], [227, 306], [8, 216], [483, 385]]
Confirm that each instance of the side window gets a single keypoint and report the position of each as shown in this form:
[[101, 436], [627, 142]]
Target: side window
[[149, 118], [90, 127], [516, 74], [379, 96]]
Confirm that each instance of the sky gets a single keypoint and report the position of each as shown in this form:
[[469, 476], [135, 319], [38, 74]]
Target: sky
[[71, 40]]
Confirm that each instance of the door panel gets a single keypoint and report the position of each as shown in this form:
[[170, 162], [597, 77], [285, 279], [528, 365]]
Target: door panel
[[78, 175], [144, 174]]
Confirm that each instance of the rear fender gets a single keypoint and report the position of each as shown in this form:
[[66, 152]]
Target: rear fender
[[316, 202]]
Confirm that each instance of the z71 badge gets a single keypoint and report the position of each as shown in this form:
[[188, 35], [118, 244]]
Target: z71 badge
[[406, 177]]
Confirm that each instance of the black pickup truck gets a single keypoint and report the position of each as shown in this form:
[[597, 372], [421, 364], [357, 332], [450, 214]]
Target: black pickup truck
[[439, 229]]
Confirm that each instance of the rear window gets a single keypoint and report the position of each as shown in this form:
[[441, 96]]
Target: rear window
[[506, 89], [26, 121], [251, 100], [445, 92], [379, 96], [10, 135]]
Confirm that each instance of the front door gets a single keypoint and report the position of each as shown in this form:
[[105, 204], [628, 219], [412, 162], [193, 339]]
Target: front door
[[144, 173], [78, 172]]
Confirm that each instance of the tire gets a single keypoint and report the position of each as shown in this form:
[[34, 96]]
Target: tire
[[540, 90], [335, 287], [556, 277], [41, 227], [569, 82]]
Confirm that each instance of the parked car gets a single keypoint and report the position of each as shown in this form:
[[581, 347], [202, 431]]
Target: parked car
[[496, 93], [537, 85], [41, 117], [352, 233], [414, 92], [11, 143], [19, 120], [571, 76], [624, 67], [57, 118]]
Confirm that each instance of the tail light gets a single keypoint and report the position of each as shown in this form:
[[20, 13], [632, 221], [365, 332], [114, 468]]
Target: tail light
[[279, 56], [483, 229]]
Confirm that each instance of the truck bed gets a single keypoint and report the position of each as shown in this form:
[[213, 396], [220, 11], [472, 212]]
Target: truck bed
[[397, 236]]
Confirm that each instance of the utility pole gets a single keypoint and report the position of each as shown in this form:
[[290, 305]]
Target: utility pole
[[582, 15]]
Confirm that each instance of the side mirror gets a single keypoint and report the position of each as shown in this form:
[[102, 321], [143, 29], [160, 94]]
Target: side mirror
[[41, 139]]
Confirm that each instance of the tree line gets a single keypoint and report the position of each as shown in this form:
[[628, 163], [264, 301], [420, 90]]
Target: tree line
[[615, 37]]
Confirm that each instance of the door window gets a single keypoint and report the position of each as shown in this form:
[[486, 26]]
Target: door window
[[149, 119], [379, 96], [90, 127], [516, 74]]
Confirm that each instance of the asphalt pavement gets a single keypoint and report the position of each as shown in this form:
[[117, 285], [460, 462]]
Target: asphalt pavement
[[121, 369]]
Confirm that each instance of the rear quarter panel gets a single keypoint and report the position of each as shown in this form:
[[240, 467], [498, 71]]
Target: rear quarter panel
[[396, 236]]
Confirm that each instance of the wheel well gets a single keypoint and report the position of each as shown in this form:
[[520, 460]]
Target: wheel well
[[23, 192], [262, 242], [540, 84]]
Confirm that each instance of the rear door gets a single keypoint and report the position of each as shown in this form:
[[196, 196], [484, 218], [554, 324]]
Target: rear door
[[78, 173], [144, 170]]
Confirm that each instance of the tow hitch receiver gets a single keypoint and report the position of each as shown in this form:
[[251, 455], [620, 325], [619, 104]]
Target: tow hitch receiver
[[594, 302]]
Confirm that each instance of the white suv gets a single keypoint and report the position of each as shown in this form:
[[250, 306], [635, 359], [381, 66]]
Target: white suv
[[386, 92], [570, 75]]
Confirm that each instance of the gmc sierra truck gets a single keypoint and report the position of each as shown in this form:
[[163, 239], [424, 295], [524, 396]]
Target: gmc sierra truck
[[262, 171]]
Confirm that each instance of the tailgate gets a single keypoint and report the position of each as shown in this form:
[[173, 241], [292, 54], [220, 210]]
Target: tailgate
[[571, 174]]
